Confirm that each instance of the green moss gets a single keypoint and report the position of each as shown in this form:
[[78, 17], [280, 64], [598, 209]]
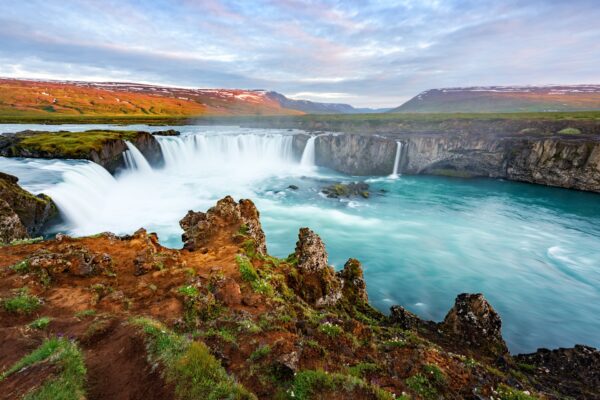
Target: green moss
[[188, 365], [223, 334], [69, 383], [40, 323], [72, 144], [526, 367], [246, 268], [260, 353], [310, 384], [188, 291], [22, 302], [508, 393], [17, 242], [569, 131]]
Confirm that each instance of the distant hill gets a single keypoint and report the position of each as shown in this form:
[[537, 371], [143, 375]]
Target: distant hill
[[505, 99], [35, 98]]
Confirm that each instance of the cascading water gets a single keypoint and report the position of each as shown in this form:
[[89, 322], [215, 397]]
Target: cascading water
[[199, 168], [134, 159], [397, 159], [308, 155]]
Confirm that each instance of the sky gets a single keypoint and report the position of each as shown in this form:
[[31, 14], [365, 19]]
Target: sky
[[365, 53]]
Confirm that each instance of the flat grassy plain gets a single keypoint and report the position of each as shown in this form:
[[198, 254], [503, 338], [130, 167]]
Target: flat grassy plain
[[34, 118]]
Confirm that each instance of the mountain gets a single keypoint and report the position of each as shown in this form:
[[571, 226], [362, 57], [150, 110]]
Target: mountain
[[505, 99], [311, 107], [35, 98]]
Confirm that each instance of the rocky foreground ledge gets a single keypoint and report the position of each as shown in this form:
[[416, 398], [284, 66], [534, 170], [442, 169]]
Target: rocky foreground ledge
[[109, 317]]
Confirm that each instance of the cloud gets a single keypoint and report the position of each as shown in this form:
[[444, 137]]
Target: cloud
[[367, 53]]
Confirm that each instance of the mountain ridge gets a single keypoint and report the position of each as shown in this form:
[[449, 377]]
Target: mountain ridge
[[34, 97], [529, 98]]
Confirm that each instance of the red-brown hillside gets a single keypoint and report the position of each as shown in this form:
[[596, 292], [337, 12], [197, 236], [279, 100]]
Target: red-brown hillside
[[30, 98]]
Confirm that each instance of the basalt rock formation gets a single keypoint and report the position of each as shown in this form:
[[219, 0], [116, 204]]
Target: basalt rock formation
[[22, 215], [103, 147], [568, 161], [223, 319]]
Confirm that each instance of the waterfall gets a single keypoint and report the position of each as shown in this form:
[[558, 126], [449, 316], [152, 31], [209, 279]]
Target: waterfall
[[245, 153], [198, 170], [397, 159], [134, 159], [308, 155]]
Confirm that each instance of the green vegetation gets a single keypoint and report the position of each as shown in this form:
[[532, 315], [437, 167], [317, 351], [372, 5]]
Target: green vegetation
[[17, 242], [40, 323], [247, 270], [419, 384], [188, 365], [426, 384], [71, 144], [189, 291], [68, 384], [308, 384], [330, 329], [260, 353], [508, 393], [361, 369], [569, 131], [22, 267], [22, 302], [249, 274]]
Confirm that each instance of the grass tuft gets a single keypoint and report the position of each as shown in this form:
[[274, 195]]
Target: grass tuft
[[195, 373], [22, 302]]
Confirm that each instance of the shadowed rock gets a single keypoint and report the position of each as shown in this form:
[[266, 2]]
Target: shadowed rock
[[227, 220], [354, 287], [403, 318], [22, 214], [573, 372]]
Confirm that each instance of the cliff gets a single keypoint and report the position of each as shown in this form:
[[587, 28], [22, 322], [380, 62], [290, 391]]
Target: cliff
[[223, 319], [100, 146], [568, 161], [22, 215]]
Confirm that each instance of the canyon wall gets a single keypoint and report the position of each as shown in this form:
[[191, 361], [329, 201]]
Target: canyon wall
[[564, 161]]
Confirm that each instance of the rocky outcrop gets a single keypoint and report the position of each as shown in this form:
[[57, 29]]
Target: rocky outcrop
[[22, 214], [313, 279], [474, 322], [354, 287], [227, 220], [573, 372], [105, 148], [346, 190], [569, 161]]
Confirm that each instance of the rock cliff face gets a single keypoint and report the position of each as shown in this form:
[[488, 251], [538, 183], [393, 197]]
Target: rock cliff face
[[22, 214], [105, 148], [563, 161]]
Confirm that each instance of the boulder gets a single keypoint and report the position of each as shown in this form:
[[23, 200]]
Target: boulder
[[227, 222], [313, 279], [167, 132], [474, 322], [347, 190], [22, 214]]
